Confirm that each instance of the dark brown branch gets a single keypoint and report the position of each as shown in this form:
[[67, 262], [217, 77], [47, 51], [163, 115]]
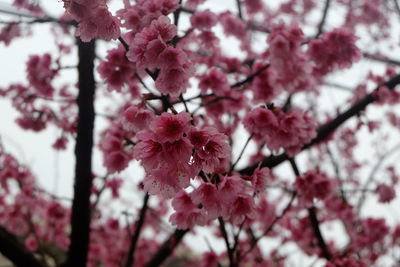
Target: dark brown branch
[[312, 215], [250, 77], [327, 129], [167, 248], [239, 8], [138, 228], [124, 43], [35, 19], [177, 14], [15, 251], [80, 218], [241, 153], [382, 59], [226, 239], [323, 19]]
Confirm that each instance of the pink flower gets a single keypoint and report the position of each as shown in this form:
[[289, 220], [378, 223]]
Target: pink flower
[[254, 6], [385, 193], [292, 71], [232, 25], [95, 21], [114, 185], [216, 81], [30, 123], [260, 121], [31, 243], [60, 143], [260, 178], [194, 3], [186, 219], [136, 118], [208, 196], [209, 259], [242, 207], [171, 57], [313, 185], [116, 70], [229, 188], [173, 81], [213, 155], [263, 86], [56, 211], [159, 32], [40, 74], [279, 129], [167, 180], [203, 20], [169, 127], [336, 50], [116, 161], [9, 32], [373, 232], [148, 151], [199, 138], [183, 201]]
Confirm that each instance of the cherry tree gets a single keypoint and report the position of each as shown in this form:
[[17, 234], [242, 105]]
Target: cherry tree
[[263, 128]]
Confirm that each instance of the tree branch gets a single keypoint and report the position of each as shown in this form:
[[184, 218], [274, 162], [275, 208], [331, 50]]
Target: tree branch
[[323, 19], [312, 215], [80, 218], [250, 77], [382, 59], [226, 239], [138, 228], [327, 129], [239, 9], [167, 248]]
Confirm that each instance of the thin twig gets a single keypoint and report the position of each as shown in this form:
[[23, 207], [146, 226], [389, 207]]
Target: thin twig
[[241, 153], [239, 9], [312, 215], [372, 174], [270, 227], [250, 77], [323, 19], [135, 237], [226, 239], [382, 59]]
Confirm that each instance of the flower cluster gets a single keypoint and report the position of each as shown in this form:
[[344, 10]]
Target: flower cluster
[[149, 49], [278, 129], [172, 151], [40, 74], [335, 50], [313, 184], [227, 199], [290, 69], [117, 70], [136, 17], [95, 21]]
